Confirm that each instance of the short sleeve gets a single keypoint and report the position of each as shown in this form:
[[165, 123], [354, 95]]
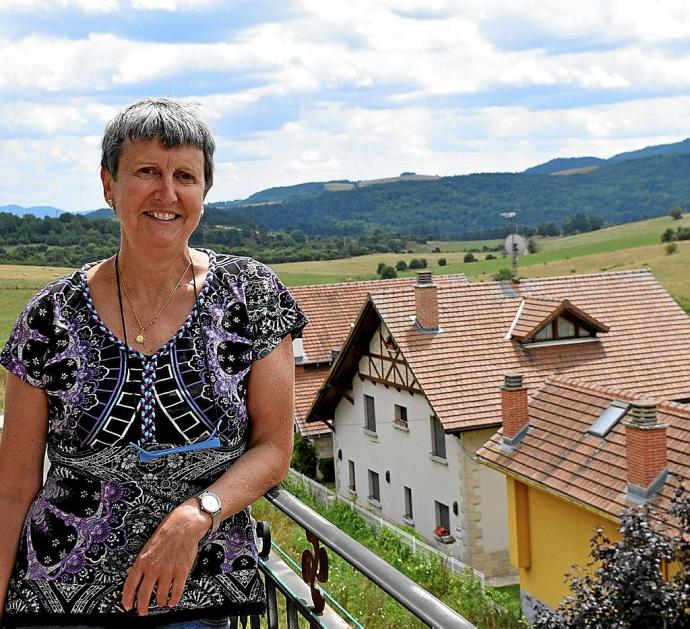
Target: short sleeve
[[272, 310], [27, 350]]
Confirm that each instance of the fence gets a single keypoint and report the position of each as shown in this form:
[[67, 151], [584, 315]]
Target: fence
[[327, 496]]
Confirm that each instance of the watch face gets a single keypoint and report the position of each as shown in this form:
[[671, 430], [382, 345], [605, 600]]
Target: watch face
[[210, 503]]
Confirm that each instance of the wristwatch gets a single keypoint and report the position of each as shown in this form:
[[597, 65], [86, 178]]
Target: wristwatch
[[210, 503]]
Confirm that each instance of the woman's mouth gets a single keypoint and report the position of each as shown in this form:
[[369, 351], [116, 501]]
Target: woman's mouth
[[162, 216]]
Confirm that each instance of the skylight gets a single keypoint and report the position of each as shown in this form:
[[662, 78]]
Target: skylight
[[608, 419]]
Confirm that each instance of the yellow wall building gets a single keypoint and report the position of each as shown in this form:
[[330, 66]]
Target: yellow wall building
[[569, 472]]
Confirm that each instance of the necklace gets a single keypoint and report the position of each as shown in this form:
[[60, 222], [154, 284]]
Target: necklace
[[140, 338]]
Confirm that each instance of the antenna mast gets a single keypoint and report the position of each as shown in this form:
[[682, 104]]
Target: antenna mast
[[514, 245]]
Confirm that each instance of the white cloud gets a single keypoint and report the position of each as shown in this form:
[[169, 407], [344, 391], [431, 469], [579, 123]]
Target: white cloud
[[353, 88], [171, 5], [30, 6]]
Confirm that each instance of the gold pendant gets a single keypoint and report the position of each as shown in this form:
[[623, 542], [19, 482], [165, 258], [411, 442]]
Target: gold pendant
[[140, 338]]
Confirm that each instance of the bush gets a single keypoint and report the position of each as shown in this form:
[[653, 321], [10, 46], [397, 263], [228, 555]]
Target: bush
[[671, 248], [388, 273], [380, 268], [532, 246], [436, 250], [469, 257], [503, 275], [490, 256], [442, 262], [675, 213], [415, 263], [304, 456], [623, 585], [424, 263], [668, 235], [401, 265]]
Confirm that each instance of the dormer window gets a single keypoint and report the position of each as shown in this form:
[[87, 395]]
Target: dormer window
[[541, 321], [563, 327]]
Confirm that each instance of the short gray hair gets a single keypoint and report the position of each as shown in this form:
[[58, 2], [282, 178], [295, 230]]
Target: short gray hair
[[174, 123]]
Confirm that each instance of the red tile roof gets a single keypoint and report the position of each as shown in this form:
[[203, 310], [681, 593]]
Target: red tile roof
[[557, 453], [332, 310], [461, 368], [308, 380]]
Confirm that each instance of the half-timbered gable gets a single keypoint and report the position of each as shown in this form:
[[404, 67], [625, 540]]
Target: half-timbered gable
[[384, 363]]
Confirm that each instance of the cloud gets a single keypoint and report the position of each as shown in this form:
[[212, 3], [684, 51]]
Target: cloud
[[307, 89], [34, 6]]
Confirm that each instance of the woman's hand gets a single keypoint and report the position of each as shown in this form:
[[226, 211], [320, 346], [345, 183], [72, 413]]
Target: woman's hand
[[166, 559]]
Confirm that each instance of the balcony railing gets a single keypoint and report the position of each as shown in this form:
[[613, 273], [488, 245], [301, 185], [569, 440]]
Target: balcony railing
[[303, 597]]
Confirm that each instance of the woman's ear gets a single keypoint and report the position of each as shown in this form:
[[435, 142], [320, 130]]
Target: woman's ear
[[107, 181]]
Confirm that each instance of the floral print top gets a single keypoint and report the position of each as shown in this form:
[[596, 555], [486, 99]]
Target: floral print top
[[100, 503]]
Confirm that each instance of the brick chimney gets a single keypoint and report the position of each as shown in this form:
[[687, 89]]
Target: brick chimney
[[426, 302], [514, 409], [645, 450]]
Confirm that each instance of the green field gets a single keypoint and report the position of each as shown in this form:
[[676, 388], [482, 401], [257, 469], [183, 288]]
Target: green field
[[629, 246]]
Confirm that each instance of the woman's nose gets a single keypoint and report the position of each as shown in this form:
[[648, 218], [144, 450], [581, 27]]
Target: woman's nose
[[166, 192]]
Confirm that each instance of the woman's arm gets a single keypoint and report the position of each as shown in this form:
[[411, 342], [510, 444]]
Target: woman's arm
[[22, 449], [166, 559]]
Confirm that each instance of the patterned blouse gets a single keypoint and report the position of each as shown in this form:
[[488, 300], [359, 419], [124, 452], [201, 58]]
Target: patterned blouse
[[100, 503]]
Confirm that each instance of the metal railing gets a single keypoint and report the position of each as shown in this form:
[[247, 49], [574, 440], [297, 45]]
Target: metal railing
[[281, 578], [416, 546]]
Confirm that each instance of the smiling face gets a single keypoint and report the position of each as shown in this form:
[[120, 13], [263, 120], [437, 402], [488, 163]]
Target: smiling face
[[158, 194]]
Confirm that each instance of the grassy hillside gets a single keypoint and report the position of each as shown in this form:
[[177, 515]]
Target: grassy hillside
[[629, 246]]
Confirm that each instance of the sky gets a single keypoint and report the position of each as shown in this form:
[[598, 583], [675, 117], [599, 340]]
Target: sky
[[317, 90]]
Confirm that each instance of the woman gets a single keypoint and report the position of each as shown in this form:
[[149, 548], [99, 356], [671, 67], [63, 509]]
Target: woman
[[142, 372]]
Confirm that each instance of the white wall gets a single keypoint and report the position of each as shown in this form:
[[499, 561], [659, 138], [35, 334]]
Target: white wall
[[406, 455]]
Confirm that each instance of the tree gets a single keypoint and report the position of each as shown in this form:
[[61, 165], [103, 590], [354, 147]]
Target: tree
[[416, 263], [502, 275], [388, 273], [297, 236], [532, 246], [668, 235], [401, 265], [380, 267], [442, 262], [675, 213], [469, 257], [671, 248], [304, 456], [623, 585]]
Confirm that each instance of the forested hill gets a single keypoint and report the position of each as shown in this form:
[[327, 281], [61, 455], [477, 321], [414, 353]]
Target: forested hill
[[471, 204], [567, 163]]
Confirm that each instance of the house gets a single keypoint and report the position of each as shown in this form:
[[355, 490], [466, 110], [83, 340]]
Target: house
[[415, 390], [574, 457], [332, 310]]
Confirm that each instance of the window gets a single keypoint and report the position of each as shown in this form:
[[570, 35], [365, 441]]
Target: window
[[369, 413], [608, 419], [562, 328], [374, 489], [438, 439], [442, 516], [352, 486], [408, 514], [401, 415]]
